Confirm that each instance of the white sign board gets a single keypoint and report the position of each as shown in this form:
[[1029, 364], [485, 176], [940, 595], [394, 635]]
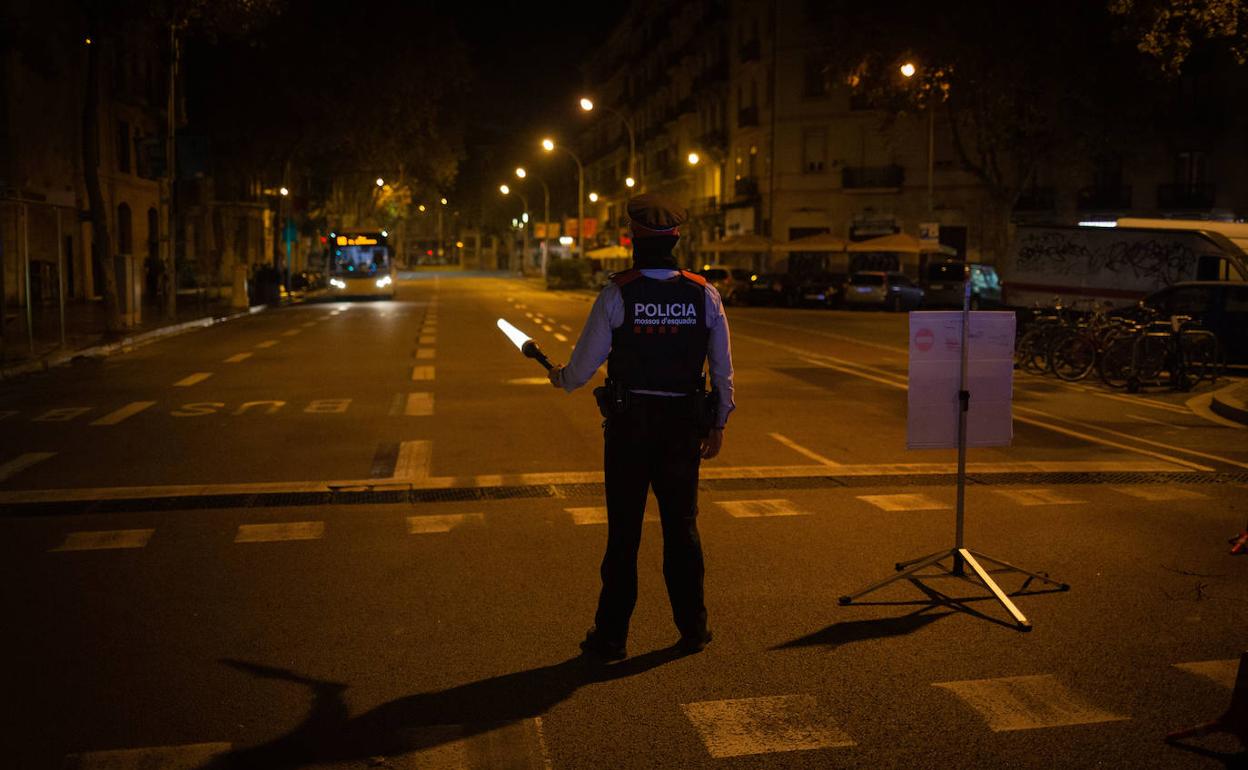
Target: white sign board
[[935, 371]]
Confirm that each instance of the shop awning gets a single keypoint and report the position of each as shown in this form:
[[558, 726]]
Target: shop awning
[[748, 242], [899, 243], [817, 242]]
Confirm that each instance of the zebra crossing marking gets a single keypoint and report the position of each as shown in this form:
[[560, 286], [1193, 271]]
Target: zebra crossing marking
[[748, 509], [1027, 703], [425, 525], [419, 405], [186, 757], [272, 533], [1220, 672], [749, 726], [1160, 494], [1030, 497], [105, 540], [903, 502]]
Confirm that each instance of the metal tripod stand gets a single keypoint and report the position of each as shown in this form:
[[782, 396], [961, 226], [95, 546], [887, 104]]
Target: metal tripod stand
[[960, 556]]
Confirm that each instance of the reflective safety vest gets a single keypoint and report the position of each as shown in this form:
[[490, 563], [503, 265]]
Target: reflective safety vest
[[662, 343]]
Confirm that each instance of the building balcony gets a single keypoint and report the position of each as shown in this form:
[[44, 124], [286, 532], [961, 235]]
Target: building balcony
[[745, 187], [751, 51], [747, 117], [1104, 198], [1036, 199], [860, 178], [1186, 197], [702, 207]]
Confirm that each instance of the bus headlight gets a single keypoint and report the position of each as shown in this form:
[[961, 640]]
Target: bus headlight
[[337, 284], [383, 282]]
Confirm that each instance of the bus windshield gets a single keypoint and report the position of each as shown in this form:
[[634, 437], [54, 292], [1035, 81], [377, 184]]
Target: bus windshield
[[360, 254]]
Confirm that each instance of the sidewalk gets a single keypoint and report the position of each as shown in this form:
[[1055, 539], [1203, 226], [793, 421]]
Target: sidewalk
[[1232, 402], [85, 330]]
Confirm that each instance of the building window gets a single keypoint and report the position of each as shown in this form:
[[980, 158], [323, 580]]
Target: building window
[[814, 151], [1189, 168], [123, 146], [125, 230], [814, 80]]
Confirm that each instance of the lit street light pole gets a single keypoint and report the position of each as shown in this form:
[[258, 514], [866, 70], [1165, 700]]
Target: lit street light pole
[[521, 173], [524, 221], [588, 105], [549, 146], [908, 71]]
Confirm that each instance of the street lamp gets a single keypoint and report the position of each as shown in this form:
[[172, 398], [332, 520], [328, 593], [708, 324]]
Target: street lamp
[[284, 191], [522, 173], [380, 182], [588, 106], [549, 146], [593, 197], [908, 71], [521, 223], [694, 159]]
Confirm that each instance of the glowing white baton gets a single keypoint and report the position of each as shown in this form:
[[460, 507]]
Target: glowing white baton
[[524, 343]]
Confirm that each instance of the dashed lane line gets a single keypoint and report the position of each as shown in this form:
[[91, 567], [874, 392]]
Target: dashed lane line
[[187, 757], [1027, 703], [769, 725], [272, 533], [565, 327], [426, 354], [419, 405], [192, 379], [427, 339], [560, 337], [238, 358], [749, 509], [1220, 672], [105, 540], [548, 328], [267, 344], [1150, 420], [127, 411], [291, 332], [424, 525], [22, 462], [903, 502], [796, 447], [422, 373], [308, 324]]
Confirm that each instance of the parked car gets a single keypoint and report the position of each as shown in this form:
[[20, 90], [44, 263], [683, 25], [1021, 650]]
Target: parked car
[[777, 289], [942, 285], [823, 289], [1219, 306], [891, 290], [732, 283]]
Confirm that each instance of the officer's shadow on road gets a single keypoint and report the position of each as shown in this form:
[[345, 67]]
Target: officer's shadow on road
[[328, 733]]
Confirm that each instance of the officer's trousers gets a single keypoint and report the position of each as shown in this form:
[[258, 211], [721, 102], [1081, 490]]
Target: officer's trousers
[[654, 444]]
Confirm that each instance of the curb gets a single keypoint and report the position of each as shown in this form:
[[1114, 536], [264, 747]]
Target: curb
[[62, 357], [1230, 404]]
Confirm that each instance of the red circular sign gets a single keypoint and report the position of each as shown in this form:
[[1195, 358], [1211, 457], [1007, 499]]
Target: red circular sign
[[924, 339]]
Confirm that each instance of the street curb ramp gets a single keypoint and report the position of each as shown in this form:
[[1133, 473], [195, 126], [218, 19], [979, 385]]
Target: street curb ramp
[[1232, 402]]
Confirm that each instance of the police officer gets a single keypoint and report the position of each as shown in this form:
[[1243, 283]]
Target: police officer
[[655, 325]]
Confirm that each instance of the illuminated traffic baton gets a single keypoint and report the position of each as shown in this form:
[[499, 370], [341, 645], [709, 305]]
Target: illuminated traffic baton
[[524, 344]]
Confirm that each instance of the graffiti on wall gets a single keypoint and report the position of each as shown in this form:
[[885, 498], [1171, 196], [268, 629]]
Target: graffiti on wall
[[1161, 260]]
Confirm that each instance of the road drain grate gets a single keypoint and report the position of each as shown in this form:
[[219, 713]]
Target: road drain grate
[[471, 494]]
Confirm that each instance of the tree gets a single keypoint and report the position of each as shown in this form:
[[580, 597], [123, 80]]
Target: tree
[[1169, 31]]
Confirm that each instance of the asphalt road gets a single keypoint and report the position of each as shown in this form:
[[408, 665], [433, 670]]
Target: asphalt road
[[181, 585]]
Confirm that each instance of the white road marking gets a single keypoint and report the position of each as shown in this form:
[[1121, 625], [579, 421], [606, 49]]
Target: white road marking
[[548, 328], [1160, 494], [105, 540], [21, 463], [598, 515], [1220, 672], [62, 415], [1142, 418], [288, 530], [267, 343], [428, 339], [328, 406], [419, 405], [187, 757], [750, 726], [1027, 703], [565, 327], [192, 379], [291, 333], [424, 525], [560, 337], [1030, 497], [903, 502], [529, 381], [748, 509], [129, 410], [528, 315], [515, 744], [415, 460], [425, 354], [308, 323], [238, 358], [422, 373], [796, 447]]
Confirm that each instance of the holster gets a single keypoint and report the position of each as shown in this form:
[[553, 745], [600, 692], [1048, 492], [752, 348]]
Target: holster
[[613, 399], [705, 409]]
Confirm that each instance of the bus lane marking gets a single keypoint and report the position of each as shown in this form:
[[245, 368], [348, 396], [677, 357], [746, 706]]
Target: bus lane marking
[[192, 379], [238, 358], [419, 405], [105, 540], [425, 525], [272, 533], [1027, 703], [22, 462], [127, 411]]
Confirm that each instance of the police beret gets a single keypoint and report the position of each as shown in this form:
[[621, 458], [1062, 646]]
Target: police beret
[[652, 214]]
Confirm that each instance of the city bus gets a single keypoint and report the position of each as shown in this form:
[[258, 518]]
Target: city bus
[[360, 265]]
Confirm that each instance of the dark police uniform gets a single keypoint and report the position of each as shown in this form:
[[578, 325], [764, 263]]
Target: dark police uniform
[[660, 325]]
